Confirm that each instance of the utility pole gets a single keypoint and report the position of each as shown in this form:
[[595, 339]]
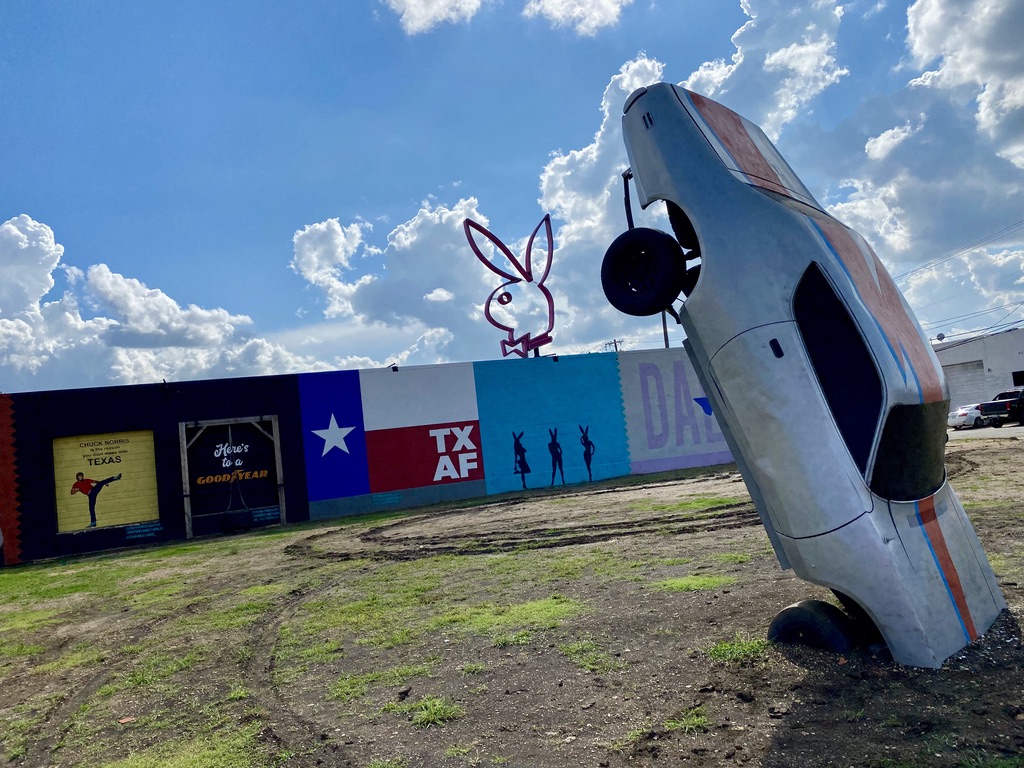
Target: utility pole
[[613, 343]]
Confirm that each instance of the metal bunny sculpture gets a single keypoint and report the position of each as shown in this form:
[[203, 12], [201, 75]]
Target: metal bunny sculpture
[[528, 277]]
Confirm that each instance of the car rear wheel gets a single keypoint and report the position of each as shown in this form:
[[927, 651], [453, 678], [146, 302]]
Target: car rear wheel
[[978, 422], [813, 623], [643, 271]]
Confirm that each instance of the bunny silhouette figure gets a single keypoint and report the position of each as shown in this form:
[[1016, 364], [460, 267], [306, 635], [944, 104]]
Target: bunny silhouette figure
[[528, 278], [519, 466], [588, 448]]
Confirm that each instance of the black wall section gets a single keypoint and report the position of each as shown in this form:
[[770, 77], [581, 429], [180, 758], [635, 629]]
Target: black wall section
[[41, 417]]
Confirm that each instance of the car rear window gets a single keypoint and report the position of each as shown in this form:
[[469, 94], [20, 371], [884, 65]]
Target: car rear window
[[841, 361], [911, 455]]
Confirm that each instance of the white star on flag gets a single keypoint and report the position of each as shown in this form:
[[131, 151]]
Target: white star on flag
[[333, 436]]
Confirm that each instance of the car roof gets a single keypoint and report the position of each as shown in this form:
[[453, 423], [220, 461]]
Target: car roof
[[744, 148]]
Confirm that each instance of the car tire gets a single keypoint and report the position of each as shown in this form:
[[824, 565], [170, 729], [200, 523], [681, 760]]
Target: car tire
[[815, 624], [997, 423], [643, 271], [864, 627], [978, 422]]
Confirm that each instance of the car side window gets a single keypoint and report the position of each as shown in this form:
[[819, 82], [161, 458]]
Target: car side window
[[842, 362]]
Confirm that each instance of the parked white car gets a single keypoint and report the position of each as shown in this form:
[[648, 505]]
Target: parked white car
[[824, 385], [966, 416]]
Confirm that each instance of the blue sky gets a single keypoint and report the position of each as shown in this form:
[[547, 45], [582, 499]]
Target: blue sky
[[222, 189]]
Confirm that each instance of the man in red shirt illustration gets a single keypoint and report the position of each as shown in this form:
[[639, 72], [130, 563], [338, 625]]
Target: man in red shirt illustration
[[91, 488]]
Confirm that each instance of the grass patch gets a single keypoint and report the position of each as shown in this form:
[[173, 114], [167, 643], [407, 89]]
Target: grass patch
[[688, 505], [222, 749], [563, 566], [523, 637], [15, 736], [693, 583], [588, 655], [982, 760], [25, 621], [731, 557], [738, 649], [397, 603], [628, 740], [473, 669], [235, 617], [82, 655], [21, 649], [490, 619], [428, 711], [322, 652], [691, 721], [351, 687], [153, 670]]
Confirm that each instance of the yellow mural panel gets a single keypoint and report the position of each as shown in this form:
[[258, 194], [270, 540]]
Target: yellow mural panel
[[105, 480]]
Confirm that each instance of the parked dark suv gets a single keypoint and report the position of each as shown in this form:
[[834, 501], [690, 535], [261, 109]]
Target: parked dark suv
[[1006, 407]]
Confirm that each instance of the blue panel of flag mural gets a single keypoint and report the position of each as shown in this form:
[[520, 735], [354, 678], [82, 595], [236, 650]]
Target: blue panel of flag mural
[[551, 421], [333, 435]]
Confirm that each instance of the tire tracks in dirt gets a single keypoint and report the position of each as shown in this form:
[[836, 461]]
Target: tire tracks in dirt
[[305, 736], [387, 542], [311, 746]]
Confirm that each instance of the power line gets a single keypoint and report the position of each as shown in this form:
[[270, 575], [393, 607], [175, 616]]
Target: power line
[[970, 246], [995, 327], [966, 316]]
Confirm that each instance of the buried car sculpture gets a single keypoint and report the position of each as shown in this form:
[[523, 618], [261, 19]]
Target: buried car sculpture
[[827, 391]]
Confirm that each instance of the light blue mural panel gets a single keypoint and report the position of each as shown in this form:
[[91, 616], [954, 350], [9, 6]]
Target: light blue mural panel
[[551, 421]]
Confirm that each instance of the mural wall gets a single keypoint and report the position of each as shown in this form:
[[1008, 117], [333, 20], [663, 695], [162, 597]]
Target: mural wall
[[88, 470]]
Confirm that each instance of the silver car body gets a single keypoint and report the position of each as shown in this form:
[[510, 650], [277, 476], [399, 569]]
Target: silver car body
[[790, 310]]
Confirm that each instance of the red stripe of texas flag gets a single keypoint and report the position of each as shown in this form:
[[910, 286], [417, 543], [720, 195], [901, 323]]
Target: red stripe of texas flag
[[424, 455]]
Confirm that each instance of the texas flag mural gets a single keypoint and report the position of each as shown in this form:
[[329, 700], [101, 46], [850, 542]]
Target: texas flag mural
[[333, 435], [429, 440]]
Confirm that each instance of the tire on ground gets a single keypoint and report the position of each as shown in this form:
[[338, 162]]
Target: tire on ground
[[815, 624]]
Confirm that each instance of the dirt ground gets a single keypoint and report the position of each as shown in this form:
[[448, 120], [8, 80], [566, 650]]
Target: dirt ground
[[614, 624]]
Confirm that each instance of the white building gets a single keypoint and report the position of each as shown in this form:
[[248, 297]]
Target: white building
[[977, 369]]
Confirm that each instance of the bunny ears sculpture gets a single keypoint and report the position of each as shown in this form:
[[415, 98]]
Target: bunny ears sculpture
[[521, 317]]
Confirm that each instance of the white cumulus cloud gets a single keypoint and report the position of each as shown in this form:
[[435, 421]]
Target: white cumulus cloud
[[586, 16], [878, 147], [783, 58], [138, 334], [974, 46], [418, 16]]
